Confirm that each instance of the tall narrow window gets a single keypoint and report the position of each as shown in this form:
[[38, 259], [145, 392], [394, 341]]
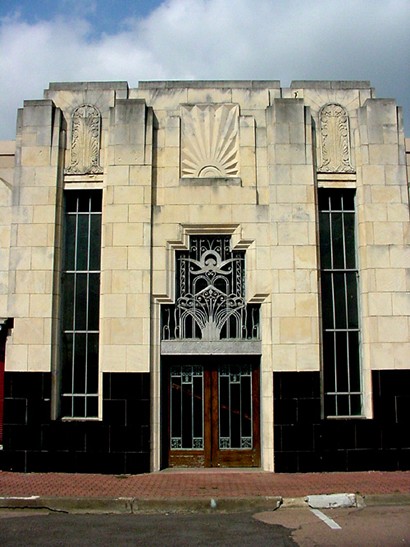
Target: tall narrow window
[[81, 302], [340, 318]]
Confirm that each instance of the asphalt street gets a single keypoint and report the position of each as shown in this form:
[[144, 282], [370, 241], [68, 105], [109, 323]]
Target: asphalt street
[[369, 526], [148, 530]]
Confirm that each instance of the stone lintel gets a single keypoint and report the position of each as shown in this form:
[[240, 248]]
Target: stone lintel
[[218, 347]]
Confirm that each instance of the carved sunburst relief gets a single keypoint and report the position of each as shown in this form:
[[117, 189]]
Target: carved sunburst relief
[[210, 141]]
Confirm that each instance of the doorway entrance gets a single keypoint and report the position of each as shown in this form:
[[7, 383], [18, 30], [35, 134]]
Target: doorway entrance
[[212, 412]]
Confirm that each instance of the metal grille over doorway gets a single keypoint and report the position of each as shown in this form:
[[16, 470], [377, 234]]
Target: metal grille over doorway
[[210, 294]]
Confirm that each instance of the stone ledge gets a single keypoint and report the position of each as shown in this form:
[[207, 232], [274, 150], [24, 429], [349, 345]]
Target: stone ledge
[[203, 347]]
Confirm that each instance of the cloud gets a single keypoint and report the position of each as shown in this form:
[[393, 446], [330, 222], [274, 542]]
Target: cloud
[[212, 39]]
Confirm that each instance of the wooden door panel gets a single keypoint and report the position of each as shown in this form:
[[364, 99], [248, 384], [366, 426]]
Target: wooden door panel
[[229, 403], [231, 451]]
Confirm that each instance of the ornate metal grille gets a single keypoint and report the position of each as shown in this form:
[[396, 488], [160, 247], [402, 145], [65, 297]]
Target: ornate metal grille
[[210, 303]]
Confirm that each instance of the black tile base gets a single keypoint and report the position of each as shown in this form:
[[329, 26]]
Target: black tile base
[[119, 444], [306, 443]]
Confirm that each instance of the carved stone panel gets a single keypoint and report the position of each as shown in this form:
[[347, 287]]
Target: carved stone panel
[[210, 141], [334, 140], [85, 141]]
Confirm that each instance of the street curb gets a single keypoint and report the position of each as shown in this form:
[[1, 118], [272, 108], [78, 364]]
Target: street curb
[[131, 505], [386, 499], [138, 505]]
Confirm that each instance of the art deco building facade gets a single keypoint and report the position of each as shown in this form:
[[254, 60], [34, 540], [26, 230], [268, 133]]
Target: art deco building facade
[[205, 274]]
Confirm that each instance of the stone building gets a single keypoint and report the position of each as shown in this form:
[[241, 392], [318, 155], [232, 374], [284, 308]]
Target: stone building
[[205, 274]]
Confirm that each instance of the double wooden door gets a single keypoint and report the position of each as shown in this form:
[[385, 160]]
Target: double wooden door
[[213, 412]]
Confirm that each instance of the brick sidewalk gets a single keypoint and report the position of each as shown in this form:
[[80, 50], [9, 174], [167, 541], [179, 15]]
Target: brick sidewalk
[[202, 484]]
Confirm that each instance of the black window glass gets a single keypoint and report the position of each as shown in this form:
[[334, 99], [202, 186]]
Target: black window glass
[[339, 297], [95, 236], [336, 226], [325, 247], [352, 307], [70, 237], [350, 247], [81, 295]]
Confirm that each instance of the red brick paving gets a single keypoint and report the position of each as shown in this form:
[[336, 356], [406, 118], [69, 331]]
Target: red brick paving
[[201, 484]]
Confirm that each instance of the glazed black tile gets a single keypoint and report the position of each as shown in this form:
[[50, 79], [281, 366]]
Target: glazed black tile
[[125, 385], [145, 438], [334, 460], [15, 460], [395, 436], [97, 438], [23, 437], [362, 460], [87, 462], [404, 459], [15, 411], [277, 438], [124, 439], [285, 411], [368, 434], [68, 436], [286, 462], [145, 385], [297, 438], [137, 462], [309, 462], [39, 461], [38, 412], [63, 461], [107, 386], [115, 411], [308, 410], [138, 412], [113, 464], [338, 434], [402, 405]]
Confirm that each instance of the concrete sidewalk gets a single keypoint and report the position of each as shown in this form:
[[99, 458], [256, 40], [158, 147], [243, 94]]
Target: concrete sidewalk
[[177, 490]]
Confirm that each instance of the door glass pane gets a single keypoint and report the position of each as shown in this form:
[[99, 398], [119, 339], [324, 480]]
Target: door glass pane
[[235, 407], [187, 407]]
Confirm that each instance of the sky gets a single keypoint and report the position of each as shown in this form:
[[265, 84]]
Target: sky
[[44, 41]]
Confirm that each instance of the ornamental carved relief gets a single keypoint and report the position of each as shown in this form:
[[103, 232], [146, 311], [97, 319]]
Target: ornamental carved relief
[[210, 141], [334, 140], [85, 141]]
